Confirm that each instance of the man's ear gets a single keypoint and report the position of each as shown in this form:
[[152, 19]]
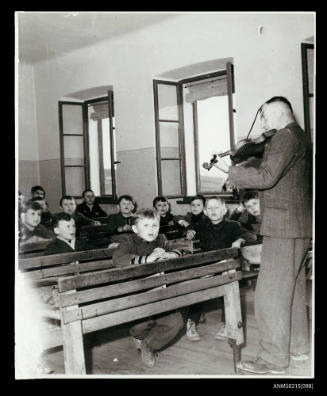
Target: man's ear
[[225, 210], [134, 228], [22, 217], [55, 230], [205, 211]]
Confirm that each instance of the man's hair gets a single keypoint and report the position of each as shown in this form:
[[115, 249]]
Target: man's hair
[[200, 197], [280, 99], [85, 191], [61, 217], [219, 199], [30, 205], [251, 194], [35, 188], [145, 214], [159, 199], [68, 197]]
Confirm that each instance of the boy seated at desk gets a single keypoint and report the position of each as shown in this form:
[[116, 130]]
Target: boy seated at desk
[[66, 241], [121, 222], [146, 245], [30, 228], [192, 220], [47, 218], [217, 232], [248, 213], [68, 205], [90, 207]]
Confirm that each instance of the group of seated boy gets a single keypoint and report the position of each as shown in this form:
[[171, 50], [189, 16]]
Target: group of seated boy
[[208, 221]]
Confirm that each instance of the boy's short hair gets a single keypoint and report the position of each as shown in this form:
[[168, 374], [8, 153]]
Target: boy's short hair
[[36, 188], [61, 217], [200, 197], [145, 214], [30, 205], [127, 198], [160, 198], [68, 197], [87, 190], [251, 194], [219, 199]]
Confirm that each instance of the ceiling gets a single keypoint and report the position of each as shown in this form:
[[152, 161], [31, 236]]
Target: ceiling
[[44, 35]]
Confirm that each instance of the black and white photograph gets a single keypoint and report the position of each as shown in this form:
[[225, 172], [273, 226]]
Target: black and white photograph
[[165, 195]]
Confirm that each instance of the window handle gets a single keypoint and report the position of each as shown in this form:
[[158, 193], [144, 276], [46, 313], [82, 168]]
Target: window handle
[[117, 162]]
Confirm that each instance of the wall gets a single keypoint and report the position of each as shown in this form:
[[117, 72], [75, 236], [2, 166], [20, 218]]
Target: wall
[[265, 65], [28, 149]]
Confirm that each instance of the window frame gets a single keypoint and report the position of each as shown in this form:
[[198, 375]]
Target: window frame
[[103, 198], [181, 149], [229, 72], [305, 82]]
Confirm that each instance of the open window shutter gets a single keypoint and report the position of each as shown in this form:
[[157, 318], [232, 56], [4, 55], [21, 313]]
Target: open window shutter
[[205, 89]]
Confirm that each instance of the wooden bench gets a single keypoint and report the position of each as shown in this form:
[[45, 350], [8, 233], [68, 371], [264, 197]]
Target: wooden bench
[[90, 302], [43, 272], [32, 249]]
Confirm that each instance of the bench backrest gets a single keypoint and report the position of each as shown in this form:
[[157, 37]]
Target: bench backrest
[[114, 296], [56, 265]]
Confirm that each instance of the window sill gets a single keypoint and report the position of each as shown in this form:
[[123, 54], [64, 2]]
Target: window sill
[[227, 196]]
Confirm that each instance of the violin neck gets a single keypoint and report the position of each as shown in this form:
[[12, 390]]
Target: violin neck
[[228, 152]]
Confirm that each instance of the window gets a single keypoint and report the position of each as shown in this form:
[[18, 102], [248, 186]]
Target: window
[[308, 85], [87, 132], [193, 117]]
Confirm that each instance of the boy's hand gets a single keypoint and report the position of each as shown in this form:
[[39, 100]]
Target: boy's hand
[[113, 245], [95, 222], [183, 223], [170, 255], [240, 209], [190, 234], [238, 243], [158, 253]]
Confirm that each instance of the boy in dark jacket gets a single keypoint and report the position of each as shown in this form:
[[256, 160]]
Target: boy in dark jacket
[[146, 246], [122, 222], [214, 234], [66, 241], [90, 208]]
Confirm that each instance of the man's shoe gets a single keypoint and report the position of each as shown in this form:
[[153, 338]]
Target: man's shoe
[[148, 357], [191, 333], [303, 357], [221, 334], [137, 343], [260, 366]]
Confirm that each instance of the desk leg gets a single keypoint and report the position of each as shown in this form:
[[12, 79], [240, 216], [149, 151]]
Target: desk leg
[[233, 317], [73, 348]]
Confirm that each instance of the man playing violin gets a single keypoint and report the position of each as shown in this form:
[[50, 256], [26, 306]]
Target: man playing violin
[[284, 179]]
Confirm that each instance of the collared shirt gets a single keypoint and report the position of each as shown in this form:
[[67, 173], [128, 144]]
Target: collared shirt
[[71, 243]]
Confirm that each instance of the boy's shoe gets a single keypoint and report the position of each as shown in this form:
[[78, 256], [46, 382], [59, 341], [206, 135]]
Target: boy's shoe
[[148, 357], [260, 366], [202, 318], [137, 343], [191, 333], [300, 357], [221, 334]]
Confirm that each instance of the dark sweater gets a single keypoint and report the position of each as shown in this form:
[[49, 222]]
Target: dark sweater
[[248, 221], [96, 211], [39, 231], [221, 235], [134, 249], [195, 221], [116, 221], [58, 246]]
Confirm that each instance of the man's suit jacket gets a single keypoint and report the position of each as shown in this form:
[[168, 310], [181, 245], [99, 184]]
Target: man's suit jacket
[[284, 178]]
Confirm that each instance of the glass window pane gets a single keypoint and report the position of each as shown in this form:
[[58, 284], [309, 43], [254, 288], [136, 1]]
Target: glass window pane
[[106, 156], [75, 181], [169, 142], [167, 102], [213, 135], [73, 150], [94, 157], [170, 177], [310, 55], [72, 119]]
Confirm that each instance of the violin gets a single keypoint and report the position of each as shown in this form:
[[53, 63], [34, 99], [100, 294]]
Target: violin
[[244, 149]]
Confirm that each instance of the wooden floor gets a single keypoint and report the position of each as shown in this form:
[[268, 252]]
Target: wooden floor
[[111, 352]]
